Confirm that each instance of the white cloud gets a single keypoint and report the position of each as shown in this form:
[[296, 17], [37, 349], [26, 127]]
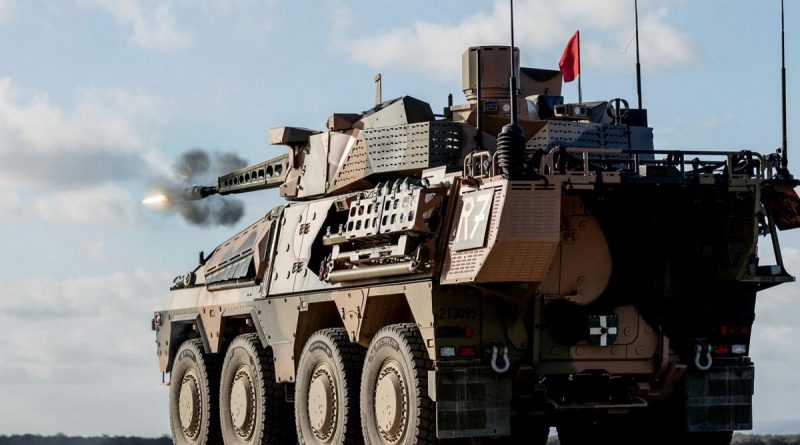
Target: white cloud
[[103, 205], [6, 10], [153, 24], [99, 297], [774, 345], [83, 344], [106, 205], [434, 49], [104, 137], [67, 165], [11, 206], [97, 250]]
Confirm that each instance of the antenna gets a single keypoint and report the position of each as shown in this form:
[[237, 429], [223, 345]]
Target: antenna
[[513, 80], [638, 66], [479, 116], [511, 140], [378, 89], [784, 157]]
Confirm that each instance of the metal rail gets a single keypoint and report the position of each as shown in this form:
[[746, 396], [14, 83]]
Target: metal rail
[[589, 162], [686, 164]]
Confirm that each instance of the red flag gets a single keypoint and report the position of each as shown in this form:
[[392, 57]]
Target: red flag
[[570, 63]]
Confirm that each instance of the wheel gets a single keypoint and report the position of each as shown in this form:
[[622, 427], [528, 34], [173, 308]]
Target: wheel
[[326, 390], [193, 390], [395, 407], [253, 407]]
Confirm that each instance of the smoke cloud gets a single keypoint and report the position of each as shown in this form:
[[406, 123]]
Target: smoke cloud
[[201, 167]]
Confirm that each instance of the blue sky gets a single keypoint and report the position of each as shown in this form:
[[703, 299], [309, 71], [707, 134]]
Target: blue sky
[[99, 96]]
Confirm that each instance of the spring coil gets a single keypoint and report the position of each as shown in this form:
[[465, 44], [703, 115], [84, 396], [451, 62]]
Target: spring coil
[[511, 151]]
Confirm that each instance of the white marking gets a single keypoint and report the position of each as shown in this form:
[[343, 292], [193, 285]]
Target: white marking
[[600, 330]]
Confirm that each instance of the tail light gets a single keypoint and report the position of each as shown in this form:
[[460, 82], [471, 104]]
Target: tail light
[[721, 350], [467, 351]]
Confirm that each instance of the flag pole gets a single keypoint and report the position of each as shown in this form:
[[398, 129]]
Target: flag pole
[[580, 73]]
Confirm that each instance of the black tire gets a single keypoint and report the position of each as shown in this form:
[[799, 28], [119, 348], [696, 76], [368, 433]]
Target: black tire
[[329, 371], [398, 360], [193, 386], [253, 407]]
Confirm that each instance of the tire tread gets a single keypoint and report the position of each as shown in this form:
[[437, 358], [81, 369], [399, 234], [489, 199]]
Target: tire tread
[[277, 413], [415, 348], [209, 367], [351, 356]]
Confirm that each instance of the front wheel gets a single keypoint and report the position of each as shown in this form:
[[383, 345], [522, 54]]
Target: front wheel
[[395, 407], [193, 396]]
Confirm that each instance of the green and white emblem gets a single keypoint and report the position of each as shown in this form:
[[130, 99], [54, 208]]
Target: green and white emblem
[[603, 329]]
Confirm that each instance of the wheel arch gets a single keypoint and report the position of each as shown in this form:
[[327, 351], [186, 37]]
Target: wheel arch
[[172, 334], [365, 311], [320, 315]]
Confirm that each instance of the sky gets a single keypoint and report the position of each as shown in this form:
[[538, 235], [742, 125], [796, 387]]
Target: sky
[[99, 97]]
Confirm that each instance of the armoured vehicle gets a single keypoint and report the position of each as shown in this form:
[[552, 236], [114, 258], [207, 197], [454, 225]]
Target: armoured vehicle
[[451, 278]]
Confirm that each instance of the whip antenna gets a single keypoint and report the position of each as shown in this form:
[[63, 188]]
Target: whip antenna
[[513, 80], [638, 65], [511, 140], [785, 155]]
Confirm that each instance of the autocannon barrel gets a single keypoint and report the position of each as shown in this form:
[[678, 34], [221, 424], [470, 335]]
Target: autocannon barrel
[[199, 192], [264, 175]]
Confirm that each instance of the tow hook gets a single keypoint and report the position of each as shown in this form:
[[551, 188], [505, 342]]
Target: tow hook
[[506, 361], [702, 351]]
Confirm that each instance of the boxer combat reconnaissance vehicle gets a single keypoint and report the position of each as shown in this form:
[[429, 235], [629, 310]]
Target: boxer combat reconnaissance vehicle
[[513, 264]]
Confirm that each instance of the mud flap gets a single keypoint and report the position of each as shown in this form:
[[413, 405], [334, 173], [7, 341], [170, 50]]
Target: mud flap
[[472, 402], [720, 399]]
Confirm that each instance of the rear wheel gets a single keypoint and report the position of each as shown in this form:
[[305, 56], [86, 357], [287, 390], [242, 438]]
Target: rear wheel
[[326, 391], [395, 407], [193, 396], [253, 407]]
